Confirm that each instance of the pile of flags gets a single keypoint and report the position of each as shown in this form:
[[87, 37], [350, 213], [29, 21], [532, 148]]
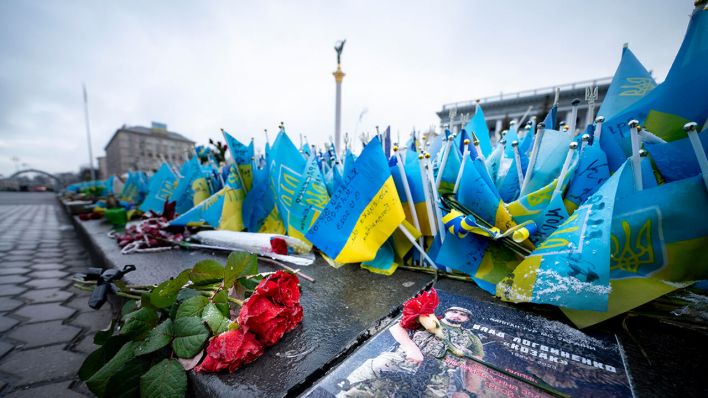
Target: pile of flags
[[596, 223]]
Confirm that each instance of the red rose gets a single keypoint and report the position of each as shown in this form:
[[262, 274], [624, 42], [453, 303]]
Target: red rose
[[282, 287], [274, 308], [422, 305], [230, 350]]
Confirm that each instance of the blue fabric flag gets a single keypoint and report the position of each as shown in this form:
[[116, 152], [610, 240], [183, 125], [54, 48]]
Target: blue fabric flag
[[630, 83], [676, 160], [161, 184], [478, 125]]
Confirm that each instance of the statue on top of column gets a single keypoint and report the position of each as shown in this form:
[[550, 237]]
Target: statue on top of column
[[339, 47]]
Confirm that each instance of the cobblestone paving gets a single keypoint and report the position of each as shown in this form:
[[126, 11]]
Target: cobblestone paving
[[46, 326]]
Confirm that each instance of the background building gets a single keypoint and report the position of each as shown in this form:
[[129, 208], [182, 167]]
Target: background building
[[501, 109], [143, 148]]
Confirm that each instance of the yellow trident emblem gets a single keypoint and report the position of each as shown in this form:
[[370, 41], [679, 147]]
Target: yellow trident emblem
[[630, 254], [637, 86]]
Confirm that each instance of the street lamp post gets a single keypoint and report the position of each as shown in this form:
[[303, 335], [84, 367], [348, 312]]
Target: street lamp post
[[338, 77]]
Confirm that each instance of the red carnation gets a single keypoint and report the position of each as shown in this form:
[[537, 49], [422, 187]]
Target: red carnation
[[230, 350], [274, 308], [421, 306]]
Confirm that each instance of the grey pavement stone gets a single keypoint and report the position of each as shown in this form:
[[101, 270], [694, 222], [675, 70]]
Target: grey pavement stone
[[14, 270], [47, 266], [5, 348], [51, 274], [47, 283], [79, 303], [7, 322], [44, 312], [45, 333], [56, 363], [46, 295], [8, 304], [10, 264], [15, 258], [94, 320], [15, 279], [86, 344], [11, 290], [55, 390]]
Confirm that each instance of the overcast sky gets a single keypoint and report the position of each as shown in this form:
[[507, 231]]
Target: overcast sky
[[245, 66]]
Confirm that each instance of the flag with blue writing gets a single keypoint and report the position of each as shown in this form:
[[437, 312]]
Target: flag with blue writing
[[161, 186], [630, 83], [656, 246], [242, 155], [363, 213], [478, 126], [667, 107], [591, 172], [551, 154], [477, 195], [571, 267], [676, 160]]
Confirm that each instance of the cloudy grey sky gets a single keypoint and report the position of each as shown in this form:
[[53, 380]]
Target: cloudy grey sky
[[247, 65]]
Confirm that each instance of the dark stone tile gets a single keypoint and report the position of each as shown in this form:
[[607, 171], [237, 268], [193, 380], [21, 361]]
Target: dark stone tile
[[50, 274], [56, 390], [47, 283], [12, 264], [14, 270], [86, 344], [44, 312], [14, 257], [11, 290], [47, 266], [80, 302], [45, 333], [8, 304], [7, 322], [5, 348], [94, 320], [15, 279], [46, 295], [56, 363]]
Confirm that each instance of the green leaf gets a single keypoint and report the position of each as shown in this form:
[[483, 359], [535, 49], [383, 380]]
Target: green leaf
[[192, 306], [239, 264], [166, 292], [102, 336], [249, 283], [125, 383], [101, 356], [97, 383], [167, 379], [207, 271], [190, 336], [187, 293], [157, 338], [217, 322], [128, 307], [138, 323], [221, 300]]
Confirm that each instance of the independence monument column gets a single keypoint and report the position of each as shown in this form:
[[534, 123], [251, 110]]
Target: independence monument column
[[338, 77]]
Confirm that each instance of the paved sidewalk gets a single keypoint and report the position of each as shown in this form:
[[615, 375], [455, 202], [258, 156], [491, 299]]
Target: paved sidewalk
[[46, 326]]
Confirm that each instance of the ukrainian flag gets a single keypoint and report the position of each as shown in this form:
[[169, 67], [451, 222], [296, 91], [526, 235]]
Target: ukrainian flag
[[476, 194], [361, 215], [415, 183], [183, 193], [162, 184], [623, 92], [680, 99], [243, 157]]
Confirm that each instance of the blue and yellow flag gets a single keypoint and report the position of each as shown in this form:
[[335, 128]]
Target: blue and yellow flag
[[259, 211], [656, 246], [183, 193], [630, 83], [478, 126], [298, 185], [678, 100], [477, 195], [384, 263], [592, 171], [551, 154], [415, 183], [510, 188], [135, 188], [452, 168], [363, 213], [570, 267], [676, 160], [243, 157], [162, 184]]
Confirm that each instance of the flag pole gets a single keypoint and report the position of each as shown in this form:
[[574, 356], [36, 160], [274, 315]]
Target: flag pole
[[416, 245], [566, 165], [443, 162], [636, 161], [538, 136], [517, 159], [88, 134], [475, 142], [426, 192], [586, 139], [462, 166], [598, 129], [407, 189], [436, 198], [573, 116], [691, 131]]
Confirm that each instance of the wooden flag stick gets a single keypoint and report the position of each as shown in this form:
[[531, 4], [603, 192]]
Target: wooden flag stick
[[462, 166], [566, 165], [691, 131], [636, 161], [538, 136], [517, 159], [416, 245]]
